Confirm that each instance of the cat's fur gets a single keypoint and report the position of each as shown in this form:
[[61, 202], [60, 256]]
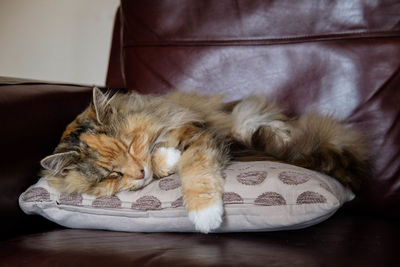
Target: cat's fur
[[121, 142]]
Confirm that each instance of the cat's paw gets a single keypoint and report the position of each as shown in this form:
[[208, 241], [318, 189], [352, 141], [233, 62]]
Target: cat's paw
[[209, 218], [164, 160]]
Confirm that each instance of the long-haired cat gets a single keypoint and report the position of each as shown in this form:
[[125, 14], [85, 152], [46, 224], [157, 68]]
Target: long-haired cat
[[121, 142]]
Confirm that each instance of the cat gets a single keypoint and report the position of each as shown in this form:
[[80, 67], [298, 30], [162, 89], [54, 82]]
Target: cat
[[124, 141]]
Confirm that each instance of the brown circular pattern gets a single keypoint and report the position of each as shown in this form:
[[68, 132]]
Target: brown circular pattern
[[252, 178], [177, 203], [270, 199], [36, 194], [70, 199], [107, 202], [169, 183], [293, 178], [147, 203], [232, 198], [309, 197]]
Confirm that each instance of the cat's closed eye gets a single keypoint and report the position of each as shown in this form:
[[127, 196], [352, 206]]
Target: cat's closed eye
[[115, 175]]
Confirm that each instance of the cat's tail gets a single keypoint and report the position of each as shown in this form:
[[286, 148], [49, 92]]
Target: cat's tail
[[323, 144], [313, 141]]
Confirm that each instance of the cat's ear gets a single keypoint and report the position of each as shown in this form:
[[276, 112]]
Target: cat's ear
[[101, 103], [59, 161]]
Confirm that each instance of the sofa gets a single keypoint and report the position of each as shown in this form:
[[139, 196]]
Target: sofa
[[337, 57]]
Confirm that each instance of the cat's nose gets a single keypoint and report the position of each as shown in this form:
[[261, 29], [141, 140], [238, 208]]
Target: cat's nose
[[141, 175]]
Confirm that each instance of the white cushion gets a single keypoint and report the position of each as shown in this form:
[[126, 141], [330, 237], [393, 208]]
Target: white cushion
[[259, 196]]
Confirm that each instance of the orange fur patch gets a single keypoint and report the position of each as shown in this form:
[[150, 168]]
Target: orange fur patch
[[202, 183], [114, 156]]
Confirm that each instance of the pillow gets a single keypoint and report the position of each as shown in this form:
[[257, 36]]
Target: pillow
[[259, 196]]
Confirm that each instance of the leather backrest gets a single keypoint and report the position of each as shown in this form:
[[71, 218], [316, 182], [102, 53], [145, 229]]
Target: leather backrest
[[338, 57]]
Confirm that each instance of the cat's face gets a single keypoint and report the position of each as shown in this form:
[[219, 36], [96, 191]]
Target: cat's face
[[106, 167], [95, 160]]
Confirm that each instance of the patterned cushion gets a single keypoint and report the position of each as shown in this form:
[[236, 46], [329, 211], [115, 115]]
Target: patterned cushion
[[259, 196]]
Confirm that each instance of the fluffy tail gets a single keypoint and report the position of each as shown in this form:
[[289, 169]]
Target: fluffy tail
[[323, 144], [313, 141]]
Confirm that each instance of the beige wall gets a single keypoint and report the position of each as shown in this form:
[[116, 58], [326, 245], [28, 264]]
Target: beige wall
[[56, 40]]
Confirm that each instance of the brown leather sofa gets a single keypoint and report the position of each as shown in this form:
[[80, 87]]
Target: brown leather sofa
[[339, 57]]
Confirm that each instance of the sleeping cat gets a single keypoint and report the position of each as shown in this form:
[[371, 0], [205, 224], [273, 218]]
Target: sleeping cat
[[122, 142]]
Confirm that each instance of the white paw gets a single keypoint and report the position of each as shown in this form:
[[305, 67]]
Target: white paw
[[170, 154], [208, 219], [173, 155]]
